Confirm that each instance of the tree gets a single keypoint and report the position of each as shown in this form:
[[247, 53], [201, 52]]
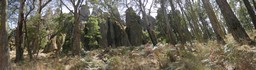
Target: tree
[[19, 33], [169, 30], [197, 32], [254, 4], [4, 51], [37, 41], [77, 33], [250, 11], [214, 21], [145, 18], [31, 8], [76, 47], [233, 23], [185, 23]]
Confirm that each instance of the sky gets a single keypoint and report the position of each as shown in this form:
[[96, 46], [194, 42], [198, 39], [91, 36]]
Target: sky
[[120, 9]]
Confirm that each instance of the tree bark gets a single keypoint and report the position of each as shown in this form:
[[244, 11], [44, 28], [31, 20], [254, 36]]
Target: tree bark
[[254, 4], [250, 11], [233, 23], [76, 42], [37, 41], [169, 30], [4, 50], [76, 47], [214, 21], [150, 32], [188, 35], [197, 31], [19, 33]]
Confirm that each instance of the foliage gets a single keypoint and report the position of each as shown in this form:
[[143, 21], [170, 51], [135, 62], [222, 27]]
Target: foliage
[[244, 18], [32, 28], [65, 26], [92, 30], [160, 26]]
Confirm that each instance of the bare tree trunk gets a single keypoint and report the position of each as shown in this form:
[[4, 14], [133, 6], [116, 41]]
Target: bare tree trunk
[[26, 43], [19, 33], [254, 4], [77, 33], [169, 30], [4, 50], [250, 11], [233, 23], [187, 33], [197, 31], [150, 32], [214, 21], [37, 41], [205, 29]]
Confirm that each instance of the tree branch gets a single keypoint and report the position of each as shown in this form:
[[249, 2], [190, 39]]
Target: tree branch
[[45, 4]]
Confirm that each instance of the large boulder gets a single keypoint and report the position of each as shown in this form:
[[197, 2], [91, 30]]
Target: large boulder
[[134, 28]]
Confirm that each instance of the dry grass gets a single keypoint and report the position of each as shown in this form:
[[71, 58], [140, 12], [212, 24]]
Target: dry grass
[[200, 56]]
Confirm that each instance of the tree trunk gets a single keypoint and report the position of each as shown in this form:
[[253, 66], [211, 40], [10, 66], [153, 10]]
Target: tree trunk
[[149, 30], [214, 21], [169, 30], [76, 42], [76, 47], [233, 23], [205, 29], [37, 38], [254, 4], [251, 12], [4, 50], [197, 31], [19, 33], [188, 35]]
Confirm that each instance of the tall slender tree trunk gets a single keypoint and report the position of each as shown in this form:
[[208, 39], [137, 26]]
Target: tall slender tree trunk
[[197, 31], [37, 38], [187, 33], [214, 21], [169, 30], [77, 34], [148, 27], [250, 11], [233, 23], [76, 46], [206, 34], [4, 50], [254, 4], [19, 33]]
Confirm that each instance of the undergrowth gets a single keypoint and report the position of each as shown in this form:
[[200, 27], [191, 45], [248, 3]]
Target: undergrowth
[[198, 56]]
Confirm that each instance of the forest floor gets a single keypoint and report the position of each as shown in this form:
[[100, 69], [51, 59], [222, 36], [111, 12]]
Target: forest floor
[[198, 56]]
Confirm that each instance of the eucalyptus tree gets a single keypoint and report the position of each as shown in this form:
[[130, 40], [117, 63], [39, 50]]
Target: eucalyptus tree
[[214, 21], [4, 51], [76, 4], [37, 41], [234, 25], [194, 17], [250, 11], [169, 31], [146, 20], [19, 33]]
